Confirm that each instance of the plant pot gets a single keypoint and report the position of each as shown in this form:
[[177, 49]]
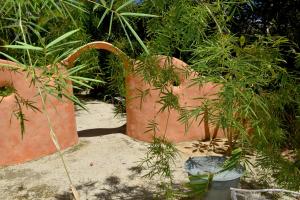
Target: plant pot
[[36, 141], [221, 182]]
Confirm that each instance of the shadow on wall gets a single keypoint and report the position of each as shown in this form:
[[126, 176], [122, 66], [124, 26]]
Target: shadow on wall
[[101, 131]]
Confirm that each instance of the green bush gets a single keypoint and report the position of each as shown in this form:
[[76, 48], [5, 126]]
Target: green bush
[[256, 88]]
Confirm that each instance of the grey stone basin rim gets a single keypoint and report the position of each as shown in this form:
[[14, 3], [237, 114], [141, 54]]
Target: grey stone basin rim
[[212, 164]]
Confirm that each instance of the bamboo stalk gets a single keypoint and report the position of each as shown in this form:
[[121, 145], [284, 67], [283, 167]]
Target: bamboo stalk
[[57, 146]]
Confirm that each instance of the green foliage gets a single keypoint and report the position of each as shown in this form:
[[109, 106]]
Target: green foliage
[[38, 29], [38, 23], [6, 90], [22, 104], [49, 79], [198, 185], [255, 87], [179, 28], [285, 172], [184, 24], [116, 76], [160, 158], [159, 161], [38, 51], [117, 22], [117, 10], [280, 17]]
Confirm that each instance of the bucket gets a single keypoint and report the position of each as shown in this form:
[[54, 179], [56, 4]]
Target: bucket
[[222, 181]]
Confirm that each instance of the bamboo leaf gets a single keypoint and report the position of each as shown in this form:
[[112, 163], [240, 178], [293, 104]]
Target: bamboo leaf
[[62, 46], [96, 6], [86, 79], [76, 69], [135, 35], [124, 5], [102, 18], [103, 2], [75, 100], [81, 83], [76, 5], [10, 58], [128, 38], [25, 47], [111, 4], [137, 14], [110, 23], [57, 7], [64, 36]]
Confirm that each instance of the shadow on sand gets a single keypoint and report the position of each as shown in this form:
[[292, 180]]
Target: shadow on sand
[[111, 189], [101, 131]]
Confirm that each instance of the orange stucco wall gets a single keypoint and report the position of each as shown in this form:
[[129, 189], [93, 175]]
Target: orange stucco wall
[[36, 141], [139, 115]]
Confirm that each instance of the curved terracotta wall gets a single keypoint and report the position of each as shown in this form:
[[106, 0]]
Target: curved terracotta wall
[[139, 116], [36, 141]]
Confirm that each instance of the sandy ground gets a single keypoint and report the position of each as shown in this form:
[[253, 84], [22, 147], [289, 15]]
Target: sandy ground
[[103, 166]]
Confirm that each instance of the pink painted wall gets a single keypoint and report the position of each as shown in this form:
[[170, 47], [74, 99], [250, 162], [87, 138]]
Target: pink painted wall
[[37, 141]]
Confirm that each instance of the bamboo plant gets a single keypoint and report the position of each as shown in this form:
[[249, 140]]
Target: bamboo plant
[[31, 37], [255, 86]]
